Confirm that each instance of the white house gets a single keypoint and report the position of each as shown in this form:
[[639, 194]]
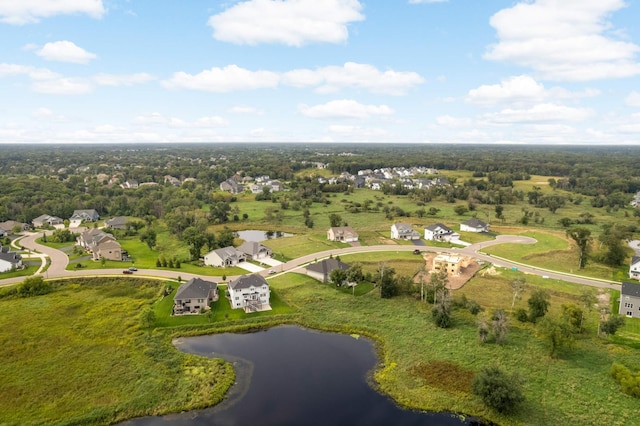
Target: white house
[[254, 250], [223, 257], [474, 225], [9, 260], [634, 269], [79, 216], [249, 292], [403, 231], [439, 232], [342, 233], [630, 300]]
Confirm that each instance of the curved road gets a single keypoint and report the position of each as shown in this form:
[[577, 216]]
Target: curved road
[[59, 262]]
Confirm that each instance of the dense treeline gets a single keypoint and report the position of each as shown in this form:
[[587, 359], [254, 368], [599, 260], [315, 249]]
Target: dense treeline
[[55, 180]]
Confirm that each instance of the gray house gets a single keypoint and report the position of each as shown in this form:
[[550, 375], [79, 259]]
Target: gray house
[[119, 222], [254, 250], [80, 216], [46, 220], [403, 231], [225, 256], [321, 271], [194, 295], [630, 300], [439, 232], [9, 260], [474, 225]]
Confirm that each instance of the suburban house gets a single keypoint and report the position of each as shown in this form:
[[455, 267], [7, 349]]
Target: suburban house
[[223, 257], [449, 263], [9, 260], [634, 269], [249, 292], [232, 186], [321, 271], [439, 232], [474, 225], [130, 184], [255, 251], [109, 249], [100, 244], [194, 295], [45, 220], [403, 231], [80, 216], [10, 225], [118, 222], [342, 233], [630, 300]]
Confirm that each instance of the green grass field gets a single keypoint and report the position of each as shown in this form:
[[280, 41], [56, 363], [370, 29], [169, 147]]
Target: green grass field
[[85, 360]]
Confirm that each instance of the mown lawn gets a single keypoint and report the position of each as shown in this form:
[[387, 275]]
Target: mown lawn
[[79, 356]]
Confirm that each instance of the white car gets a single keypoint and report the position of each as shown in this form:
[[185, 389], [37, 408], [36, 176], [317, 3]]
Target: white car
[[271, 271]]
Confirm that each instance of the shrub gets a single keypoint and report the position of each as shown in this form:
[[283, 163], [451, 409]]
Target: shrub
[[499, 390], [521, 315], [629, 382], [33, 286]]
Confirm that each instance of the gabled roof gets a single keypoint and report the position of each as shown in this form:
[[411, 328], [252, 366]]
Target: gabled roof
[[9, 256], [630, 289], [436, 226], [252, 248], [344, 230], [195, 288], [326, 266], [475, 223], [226, 252], [403, 227], [634, 260], [246, 281], [117, 221]]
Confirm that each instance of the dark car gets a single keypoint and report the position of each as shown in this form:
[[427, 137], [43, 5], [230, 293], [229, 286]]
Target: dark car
[[417, 251], [126, 271]]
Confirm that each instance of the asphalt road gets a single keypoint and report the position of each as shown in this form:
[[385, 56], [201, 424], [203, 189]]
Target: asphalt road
[[59, 262]]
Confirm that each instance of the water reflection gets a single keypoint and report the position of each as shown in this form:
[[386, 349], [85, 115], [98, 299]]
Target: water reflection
[[288, 375], [253, 235]]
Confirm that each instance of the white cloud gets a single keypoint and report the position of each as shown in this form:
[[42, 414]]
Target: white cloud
[[449, 121], [521, 89], [213, 121], [353, 75], [65, 51], [344, 108], [42, 113], [220, 80], [122, 79], [290, 22], [326, 80], [358, 133], [633, 100], [541, 113], [151, 118], [20, 12], [62, 86], [566, 40]]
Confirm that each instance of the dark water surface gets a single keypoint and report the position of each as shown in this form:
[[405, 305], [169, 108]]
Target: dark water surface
[[290, 375]]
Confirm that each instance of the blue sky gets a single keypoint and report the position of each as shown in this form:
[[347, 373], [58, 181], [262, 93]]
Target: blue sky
[[383, 71]]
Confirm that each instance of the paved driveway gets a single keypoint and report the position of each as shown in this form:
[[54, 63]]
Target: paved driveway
[[248, 266]]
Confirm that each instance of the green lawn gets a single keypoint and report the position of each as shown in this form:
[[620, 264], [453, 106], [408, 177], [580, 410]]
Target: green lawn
[[27, 271]]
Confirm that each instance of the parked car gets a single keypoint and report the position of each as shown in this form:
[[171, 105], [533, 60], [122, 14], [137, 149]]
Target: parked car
[[271, 271], [417, 251], [126, 271]]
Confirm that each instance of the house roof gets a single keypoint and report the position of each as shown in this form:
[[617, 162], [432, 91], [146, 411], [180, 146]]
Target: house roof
[[117, 221], [246, 281], [108, 244], [344, 230], [436, 226], [475, 223], [226, 252], [326, 266], [403, 227], [252, 248], [630, 289], [195, 288], [9, 256], [634, 260], [86, 213]]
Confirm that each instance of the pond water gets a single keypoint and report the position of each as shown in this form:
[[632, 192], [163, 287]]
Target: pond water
[[253, 235], [289, 375]]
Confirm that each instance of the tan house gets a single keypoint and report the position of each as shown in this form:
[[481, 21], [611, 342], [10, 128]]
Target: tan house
[[449, 263], [342, 233], [109, 249]]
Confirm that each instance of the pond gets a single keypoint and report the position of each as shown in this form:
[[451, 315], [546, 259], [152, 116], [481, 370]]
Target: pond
[[289, 375], [254, 235]]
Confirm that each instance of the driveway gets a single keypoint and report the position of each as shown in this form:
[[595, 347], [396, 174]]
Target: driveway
[[248, 266], [271, 261]]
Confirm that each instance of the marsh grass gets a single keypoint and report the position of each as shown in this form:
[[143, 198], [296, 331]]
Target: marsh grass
[[79, 356]]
